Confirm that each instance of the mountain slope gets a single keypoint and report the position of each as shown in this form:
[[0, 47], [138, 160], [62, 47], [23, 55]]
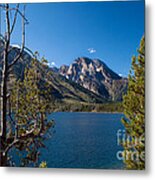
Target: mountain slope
[[97, 77], [85, 80], [61, 88]]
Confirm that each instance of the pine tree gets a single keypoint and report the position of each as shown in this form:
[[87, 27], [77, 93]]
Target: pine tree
[[134, 110], [23, 110], [30, 103]]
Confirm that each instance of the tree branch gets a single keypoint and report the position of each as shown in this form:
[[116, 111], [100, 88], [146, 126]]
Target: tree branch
[[4, 72], [10, 146], [7, 22], [23, 41], [21, 14], [29, 134], [15, 18]]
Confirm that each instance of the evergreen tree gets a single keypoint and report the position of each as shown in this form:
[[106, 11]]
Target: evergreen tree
[[134, 110], [23, 110], [30, 104]]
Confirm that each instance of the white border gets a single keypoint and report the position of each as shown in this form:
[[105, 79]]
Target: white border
[[76, 174]]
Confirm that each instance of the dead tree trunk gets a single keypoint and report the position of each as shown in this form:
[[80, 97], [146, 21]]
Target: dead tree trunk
[[4, 91], [3, 110], [5, 72]]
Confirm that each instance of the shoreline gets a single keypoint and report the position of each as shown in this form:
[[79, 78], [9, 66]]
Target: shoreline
[[88, 112]]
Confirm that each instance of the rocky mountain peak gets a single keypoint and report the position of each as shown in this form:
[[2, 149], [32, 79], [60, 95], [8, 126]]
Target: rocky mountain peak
[[92, 74], [64, 69]]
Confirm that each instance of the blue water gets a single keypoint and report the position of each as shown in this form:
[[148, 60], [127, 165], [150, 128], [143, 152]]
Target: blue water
[[84, 140]]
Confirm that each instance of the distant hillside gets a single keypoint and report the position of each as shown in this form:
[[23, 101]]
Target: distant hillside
[[61, 88], [78, 87]]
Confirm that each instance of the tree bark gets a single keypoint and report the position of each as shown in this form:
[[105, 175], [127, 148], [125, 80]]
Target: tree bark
[[5, 72], [3, 142], [3, 108]]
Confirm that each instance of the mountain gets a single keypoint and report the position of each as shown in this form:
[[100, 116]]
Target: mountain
[[85, 80], [97, 77], [62, 89]]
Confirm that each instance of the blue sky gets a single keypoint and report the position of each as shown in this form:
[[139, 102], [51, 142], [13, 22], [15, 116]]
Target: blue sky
[[110, 31]]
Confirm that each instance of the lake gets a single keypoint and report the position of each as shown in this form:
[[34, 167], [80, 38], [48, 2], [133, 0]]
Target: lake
[[84, 140]]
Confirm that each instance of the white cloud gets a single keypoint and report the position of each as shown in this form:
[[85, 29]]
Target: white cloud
[[51, 64], [91, 50]]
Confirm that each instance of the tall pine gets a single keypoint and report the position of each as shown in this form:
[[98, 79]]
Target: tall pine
[[134, 110], [30, 104]]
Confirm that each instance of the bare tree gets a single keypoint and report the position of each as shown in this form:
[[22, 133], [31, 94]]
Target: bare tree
[[6, 68], [25, 101]]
